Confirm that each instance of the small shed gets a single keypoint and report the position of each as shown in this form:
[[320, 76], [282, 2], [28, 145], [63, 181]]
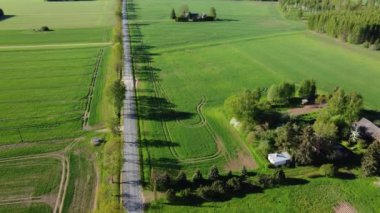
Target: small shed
[[278, 159], [97, 141]]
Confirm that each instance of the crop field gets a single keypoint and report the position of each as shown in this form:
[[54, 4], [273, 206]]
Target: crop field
[[44, 93], [185, 71], [51, 91]]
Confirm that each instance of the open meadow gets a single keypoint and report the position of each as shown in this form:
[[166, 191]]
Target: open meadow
[[185, 71], [51, 83]]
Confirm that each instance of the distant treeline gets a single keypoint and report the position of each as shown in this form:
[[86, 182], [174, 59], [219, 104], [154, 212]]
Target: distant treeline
[[356, 27], [352, 21]]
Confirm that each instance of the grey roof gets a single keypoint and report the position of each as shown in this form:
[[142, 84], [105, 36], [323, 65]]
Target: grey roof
[[369, 128]]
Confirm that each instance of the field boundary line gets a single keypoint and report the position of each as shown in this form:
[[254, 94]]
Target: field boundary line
[[90, 94], [48, 46]]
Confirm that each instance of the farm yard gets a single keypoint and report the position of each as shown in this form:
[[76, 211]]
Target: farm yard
[[185, 71], [51, 102]]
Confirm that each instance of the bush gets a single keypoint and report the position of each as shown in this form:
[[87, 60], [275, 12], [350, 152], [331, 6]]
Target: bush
[[1, 13], [163, 182], [265, 181], [376, 45], [171, 195], [198, 177], [45, 29], [279, 177], [214, 173], [328, 170], [181, 180], [186, 194], [214, 192], [234, 184]]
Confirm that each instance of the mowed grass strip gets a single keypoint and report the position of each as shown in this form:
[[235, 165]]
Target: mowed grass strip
[[29, 178], [43, 93]]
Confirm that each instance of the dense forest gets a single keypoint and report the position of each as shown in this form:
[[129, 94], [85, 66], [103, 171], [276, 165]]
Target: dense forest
[[351, 21]]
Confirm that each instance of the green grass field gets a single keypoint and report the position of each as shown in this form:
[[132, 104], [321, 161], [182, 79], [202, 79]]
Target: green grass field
[[45, 84], [185, 71]]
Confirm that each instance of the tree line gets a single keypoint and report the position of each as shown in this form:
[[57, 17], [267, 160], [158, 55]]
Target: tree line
[[355, 27], [355, 22], [214, 187]]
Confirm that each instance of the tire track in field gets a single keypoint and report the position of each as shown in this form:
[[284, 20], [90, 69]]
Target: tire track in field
[[65, 174], [160, 92]]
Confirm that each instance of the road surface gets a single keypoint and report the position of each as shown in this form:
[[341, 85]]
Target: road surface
[[130, 173]]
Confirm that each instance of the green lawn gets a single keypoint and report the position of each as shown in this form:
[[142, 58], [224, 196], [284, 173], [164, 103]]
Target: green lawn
[[178, 65]]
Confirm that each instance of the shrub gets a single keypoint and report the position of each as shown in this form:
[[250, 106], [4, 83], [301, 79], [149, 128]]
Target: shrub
[[265, 181], [279, 176], [171, 195], [214, 192], [198, 177], [244, 172], [163, 182], [186, 194], [214, 173], [376, 45], [328, 170], [234, 184], [371, 160], [173, 15], [181, 180], [1, 13], [45, 29]]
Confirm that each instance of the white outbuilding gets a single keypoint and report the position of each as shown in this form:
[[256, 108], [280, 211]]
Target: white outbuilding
[[278, 159]]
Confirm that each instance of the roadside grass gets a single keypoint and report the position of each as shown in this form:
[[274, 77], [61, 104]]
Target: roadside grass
[[44, 93], [178, 64], [29, 208], [29, 178]]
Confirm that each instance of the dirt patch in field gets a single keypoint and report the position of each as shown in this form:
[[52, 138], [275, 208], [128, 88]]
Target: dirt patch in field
[[242, 159], [306, 109], [344, 207], [50, 199]]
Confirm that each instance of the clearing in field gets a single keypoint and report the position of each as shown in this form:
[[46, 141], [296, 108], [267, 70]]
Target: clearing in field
[[185, 71]]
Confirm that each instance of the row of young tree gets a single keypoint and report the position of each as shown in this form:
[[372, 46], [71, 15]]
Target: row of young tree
[[357, 27], [215, 187]]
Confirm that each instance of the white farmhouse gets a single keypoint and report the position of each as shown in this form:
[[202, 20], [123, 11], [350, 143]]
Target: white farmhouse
[[278, 159]]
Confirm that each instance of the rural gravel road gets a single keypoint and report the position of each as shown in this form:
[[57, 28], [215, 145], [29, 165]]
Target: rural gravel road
[[130, 172]]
